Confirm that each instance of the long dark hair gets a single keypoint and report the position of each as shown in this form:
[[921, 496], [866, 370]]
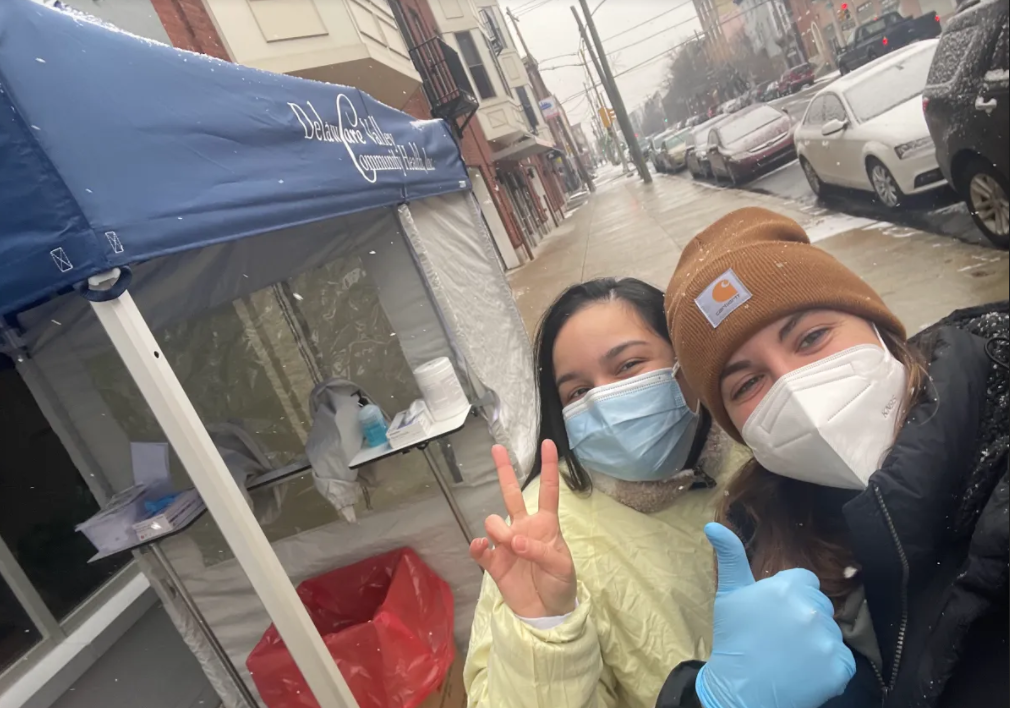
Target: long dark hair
[[781, 521], [645, 299]]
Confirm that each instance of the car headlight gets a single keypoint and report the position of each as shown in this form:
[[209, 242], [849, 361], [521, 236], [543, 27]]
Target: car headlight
[[906, 149]]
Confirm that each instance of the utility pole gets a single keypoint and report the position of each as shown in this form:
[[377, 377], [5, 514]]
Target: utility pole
[[515, 23], [607, 78], [583, 172], [599, 100]]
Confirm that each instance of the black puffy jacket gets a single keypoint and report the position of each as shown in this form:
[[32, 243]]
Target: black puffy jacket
[[931, 535]]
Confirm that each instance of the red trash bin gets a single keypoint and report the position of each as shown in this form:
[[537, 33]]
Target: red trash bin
[[387, 621]]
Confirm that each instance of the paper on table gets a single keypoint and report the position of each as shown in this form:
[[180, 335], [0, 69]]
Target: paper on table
[[150, 465]]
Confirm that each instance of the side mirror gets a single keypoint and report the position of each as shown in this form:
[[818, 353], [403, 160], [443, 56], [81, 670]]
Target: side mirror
[[834, 126]]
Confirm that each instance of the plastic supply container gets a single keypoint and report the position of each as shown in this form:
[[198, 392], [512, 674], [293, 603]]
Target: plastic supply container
[[111, 529], [441, 389], [373, 425]]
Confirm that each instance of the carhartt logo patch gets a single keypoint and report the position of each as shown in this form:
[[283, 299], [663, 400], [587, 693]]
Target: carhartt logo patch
[[723, 295]]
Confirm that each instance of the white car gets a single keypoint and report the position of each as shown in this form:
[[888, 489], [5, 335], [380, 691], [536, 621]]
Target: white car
[[867, 131]]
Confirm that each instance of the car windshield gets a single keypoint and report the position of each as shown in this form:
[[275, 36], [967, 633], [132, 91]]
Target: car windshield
[[738, 128], [891, 86]]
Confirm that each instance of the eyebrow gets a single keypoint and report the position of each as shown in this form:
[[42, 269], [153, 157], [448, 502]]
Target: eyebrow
[[733, 368], [790, 325], [612, 354]]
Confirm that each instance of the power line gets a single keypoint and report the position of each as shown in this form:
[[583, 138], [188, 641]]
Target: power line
[[597, 7], [524, 5], [650, 20], [535, 6], [559, 66], [559, 56], [654, 34], [688, 41]]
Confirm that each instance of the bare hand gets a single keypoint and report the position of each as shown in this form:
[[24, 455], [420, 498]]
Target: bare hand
[[530, 562]]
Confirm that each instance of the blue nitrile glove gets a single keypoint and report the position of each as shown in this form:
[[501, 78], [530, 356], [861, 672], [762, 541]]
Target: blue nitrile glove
[[775, 644]]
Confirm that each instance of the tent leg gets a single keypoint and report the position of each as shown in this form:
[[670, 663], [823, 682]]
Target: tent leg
[[132, 338], [201, 622], [450, 498]]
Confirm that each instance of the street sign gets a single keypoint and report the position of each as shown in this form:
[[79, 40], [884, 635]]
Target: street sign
[[549, 107]]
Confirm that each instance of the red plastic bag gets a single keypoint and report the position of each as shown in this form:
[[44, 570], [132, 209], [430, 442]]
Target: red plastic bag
[[387, 622]]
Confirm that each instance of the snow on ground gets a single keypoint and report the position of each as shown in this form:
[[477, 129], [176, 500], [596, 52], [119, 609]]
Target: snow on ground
[[832, 224]]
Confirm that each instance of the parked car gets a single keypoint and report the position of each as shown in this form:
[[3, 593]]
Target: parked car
[[884, 34], [659, 155], [866, 130], [771, 92], [761, 90], [674, 149], [965, 102], [735, 104], [747, 142], [697, 154], [796, 79]]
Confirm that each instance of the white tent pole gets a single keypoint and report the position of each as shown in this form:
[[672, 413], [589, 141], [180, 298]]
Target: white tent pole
[[135, 342]]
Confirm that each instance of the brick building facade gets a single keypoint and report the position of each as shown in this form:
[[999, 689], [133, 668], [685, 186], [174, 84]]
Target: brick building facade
[[190, 26]]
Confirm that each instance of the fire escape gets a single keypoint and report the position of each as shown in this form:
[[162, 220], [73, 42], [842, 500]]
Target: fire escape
[[445, 82]]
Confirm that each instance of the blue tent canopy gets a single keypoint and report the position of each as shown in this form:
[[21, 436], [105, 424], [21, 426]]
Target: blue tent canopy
[[115, 149]]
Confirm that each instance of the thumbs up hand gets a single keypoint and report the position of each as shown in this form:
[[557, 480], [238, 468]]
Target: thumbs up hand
[[775, 643]]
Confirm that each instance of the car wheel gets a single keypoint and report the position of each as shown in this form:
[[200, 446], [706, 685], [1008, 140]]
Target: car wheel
[[985, 192], [816, 185], [884, 185], [842, 69]]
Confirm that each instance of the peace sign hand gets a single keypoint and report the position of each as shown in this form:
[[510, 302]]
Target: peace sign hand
[[530, 562]]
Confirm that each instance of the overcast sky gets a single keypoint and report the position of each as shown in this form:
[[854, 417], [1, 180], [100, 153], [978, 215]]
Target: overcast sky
[[551, 33]]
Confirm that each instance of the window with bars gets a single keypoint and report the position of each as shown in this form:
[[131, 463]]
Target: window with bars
[[478, 72]]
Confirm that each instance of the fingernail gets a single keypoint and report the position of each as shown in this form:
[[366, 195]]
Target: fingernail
[[519, 543]]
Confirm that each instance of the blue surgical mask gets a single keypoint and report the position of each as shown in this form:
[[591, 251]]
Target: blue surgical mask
[[638, 430]]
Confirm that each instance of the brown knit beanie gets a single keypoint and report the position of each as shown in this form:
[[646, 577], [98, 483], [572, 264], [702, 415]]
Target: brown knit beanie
[[744, 272]]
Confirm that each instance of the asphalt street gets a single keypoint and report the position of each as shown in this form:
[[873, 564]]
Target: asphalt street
[[941, 212]]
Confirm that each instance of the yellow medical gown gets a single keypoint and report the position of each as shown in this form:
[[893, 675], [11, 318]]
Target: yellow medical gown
[[646, 587]]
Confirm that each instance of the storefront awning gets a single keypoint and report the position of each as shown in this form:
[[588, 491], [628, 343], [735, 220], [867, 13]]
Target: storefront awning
[[525, 147]]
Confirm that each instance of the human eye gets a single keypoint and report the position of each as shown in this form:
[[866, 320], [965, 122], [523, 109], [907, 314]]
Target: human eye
[[576, 394], [747, 386], [629, 365], [811, 338]]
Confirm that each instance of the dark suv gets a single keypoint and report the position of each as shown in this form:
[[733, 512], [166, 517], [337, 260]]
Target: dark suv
[[966, 107]]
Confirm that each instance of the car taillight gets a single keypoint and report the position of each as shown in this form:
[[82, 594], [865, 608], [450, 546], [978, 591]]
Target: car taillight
[[885, 41], [936, 17], [925, 104]]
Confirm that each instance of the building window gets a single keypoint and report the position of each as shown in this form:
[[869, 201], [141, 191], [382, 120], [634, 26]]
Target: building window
[[495, 36], [498, 69], [478, 72], [17, 632], [42, 499], [528, 109], [889, 5], [864, 12]]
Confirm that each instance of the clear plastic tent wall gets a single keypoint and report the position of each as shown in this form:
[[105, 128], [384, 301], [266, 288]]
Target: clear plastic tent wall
[[250, 327], [280, 232]]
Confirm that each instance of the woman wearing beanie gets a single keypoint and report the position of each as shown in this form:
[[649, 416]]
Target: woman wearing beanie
[[603, 578], [880, 465]]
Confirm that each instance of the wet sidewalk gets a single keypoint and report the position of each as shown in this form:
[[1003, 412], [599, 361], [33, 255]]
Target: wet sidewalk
[[628, 228]]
